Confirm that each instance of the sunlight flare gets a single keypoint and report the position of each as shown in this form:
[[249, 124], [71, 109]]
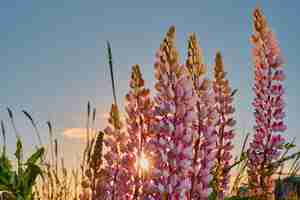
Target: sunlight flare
[[143, 163]]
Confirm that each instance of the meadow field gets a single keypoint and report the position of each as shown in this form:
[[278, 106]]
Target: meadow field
[[170, 142]]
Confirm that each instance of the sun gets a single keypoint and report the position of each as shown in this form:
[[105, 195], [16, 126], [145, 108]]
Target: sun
[[143, 162]]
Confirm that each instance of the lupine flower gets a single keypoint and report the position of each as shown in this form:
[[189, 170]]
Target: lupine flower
[[139, 112], [204, 133], [265, 146], [114, 174], [174, 114], [224, 127]]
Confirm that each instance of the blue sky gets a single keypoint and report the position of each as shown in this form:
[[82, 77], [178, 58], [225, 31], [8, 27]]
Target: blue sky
[[53, 58]]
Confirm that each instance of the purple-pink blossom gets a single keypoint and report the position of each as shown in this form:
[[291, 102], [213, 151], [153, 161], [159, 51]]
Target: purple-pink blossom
[[204, 152], [174, 115], [266, 145], [224, 128]]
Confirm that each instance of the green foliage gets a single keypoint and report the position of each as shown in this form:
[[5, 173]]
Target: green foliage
[[18, 183], [213, 196]]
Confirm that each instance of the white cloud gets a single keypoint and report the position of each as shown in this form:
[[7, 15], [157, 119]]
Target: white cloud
[[75, 133]]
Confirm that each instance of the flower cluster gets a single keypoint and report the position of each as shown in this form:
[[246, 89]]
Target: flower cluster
[[178, 145], [174, 114], [268, 104], [204, 132], [224, 127], [139, 114], [115, 174]]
